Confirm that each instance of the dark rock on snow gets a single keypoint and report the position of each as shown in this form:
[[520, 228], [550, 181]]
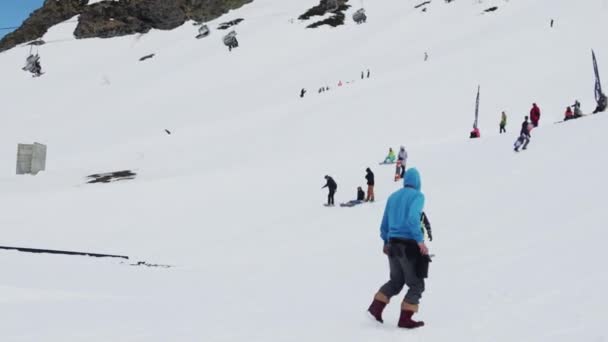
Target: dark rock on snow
[[146, 57], [111, 176], [337, 7], [228, 24]]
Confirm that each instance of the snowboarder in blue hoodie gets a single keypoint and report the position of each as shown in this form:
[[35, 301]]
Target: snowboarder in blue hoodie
[[407, 253]]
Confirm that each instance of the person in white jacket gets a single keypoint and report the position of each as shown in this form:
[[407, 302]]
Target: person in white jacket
[[402, 157]]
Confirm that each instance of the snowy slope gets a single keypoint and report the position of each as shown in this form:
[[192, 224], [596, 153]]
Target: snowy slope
[[231, 199]]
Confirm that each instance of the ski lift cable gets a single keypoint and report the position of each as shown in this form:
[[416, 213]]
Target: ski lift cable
[[16, 27]]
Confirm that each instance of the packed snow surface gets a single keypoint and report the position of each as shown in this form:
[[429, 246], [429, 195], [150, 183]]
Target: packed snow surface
[[231, 199]]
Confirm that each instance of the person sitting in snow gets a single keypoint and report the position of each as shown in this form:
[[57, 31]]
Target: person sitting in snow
[[475, 133], [390, 158], [568, 115], [360, 199]]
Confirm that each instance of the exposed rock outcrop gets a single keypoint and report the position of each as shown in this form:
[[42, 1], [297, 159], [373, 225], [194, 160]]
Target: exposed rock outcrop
[[336, 7], [108, 19], [51, 13]]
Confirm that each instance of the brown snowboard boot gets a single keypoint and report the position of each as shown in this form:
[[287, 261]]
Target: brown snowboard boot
[[377, 306], [405, 320]]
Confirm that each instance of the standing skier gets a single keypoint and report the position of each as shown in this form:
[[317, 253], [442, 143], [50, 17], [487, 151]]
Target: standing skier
[[524, 135], [407, 253], [332, 186], [369, 176], [302, 92], [535, 115], [402, 157], [503, 123]]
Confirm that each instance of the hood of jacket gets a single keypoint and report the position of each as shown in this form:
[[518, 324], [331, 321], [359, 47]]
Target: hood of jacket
[[412, 179]]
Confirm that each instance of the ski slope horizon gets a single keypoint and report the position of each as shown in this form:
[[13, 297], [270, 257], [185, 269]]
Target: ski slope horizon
[[232, 199]]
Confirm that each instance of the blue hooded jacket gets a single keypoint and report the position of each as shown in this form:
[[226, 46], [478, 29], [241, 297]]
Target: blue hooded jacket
[[403, 210]]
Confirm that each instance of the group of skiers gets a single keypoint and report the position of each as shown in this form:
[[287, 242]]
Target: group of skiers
[[364, 74], [400, 160], [400, 163], [572, 112], [535, 113], [526, 127], [361, 197], [577, 112]]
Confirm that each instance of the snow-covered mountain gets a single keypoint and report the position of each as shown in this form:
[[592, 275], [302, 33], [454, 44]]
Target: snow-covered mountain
[[231, 199]]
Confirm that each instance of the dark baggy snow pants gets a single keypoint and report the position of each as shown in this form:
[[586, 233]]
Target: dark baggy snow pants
[[330, 197], [402, 261]]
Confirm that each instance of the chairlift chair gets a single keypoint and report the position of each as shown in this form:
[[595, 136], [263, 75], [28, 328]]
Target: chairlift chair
[[359, 16], [203, 31]]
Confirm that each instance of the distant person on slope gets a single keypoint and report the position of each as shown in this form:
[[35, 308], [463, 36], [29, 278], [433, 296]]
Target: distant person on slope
[[535, 115], [360, 199], [475, 133], [568, 115], [360, 194], [369, 177], [577, 109], [503, 123], [402, 157], [332, 186], [524, 135], [407, 253], [390, 158], [302, 92]]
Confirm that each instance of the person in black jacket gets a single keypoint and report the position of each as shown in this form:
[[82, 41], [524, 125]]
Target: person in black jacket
[[360, 194], [369, 176], [524, 136], [332, 186]]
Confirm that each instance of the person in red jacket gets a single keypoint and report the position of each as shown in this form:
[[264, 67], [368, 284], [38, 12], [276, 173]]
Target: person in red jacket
[[568, 115], [535, 115], [475, 133]]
